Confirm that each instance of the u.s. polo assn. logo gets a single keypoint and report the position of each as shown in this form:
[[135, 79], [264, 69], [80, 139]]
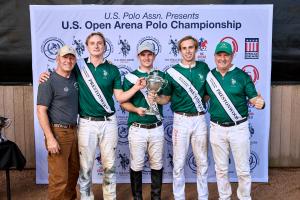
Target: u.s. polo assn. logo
[[79, 46], [168, 128], [125, 47], [123, 133], [253, 160], [50, 47], [123, 160], [174, 47], [152, 40], [109, 48]]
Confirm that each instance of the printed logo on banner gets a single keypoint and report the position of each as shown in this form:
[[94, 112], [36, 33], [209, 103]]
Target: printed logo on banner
[[251, 48], [123, 133], [174, 48], [168, 128], [79, 46], [233, 42], [166, 68], [191, 162], [125, 47], [99, 167], [252, 71], [109, 48], [124, 69], [51, 46], [202, 49], [170, 158], [123, 160], [152, 40], [147, 168], [253, 160], [251, 130]]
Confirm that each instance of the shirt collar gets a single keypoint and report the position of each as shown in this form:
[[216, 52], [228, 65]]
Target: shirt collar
[[142, 71], [230, 69], [89, 60], [187, 66]]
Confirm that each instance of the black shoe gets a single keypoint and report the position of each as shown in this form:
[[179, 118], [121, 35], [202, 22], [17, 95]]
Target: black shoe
[[156, 183], [136, 184]]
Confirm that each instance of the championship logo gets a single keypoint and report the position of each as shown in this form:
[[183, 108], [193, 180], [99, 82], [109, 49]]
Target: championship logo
[[202, 43], [232, 41], [125, 47], [99, 167], [109, 48], [123, 160], [191, 162], [251, 48], [252, 71], [152, 40], [51, 46], [123, 134], [168, 128], [251, 130], [174, 47], [79, 46], [253, 160]]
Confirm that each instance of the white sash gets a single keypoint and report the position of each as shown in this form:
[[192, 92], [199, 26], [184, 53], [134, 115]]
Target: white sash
[[92, 84], [133, 79], [223, 98], [188, 87]]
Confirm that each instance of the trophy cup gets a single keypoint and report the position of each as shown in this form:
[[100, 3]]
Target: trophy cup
[[154, 84], [4, 123]]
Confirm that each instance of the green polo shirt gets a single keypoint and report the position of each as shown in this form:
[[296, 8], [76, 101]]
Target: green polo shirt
[[108, 78], [180, 99], [239, 88], [138, 100]]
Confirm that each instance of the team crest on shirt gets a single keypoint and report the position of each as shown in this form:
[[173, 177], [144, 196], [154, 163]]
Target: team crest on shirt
[[76, 85], [233, 82], [66, 89], [105, 73], [201, 77]]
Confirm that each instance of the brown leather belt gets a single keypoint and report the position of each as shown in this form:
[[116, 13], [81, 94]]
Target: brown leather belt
[[69, 126], [228, 124], [190, 114], [147, 126]]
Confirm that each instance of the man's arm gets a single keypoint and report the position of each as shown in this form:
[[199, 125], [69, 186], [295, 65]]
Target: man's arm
[[131, 108], [52, 145], [122, 96]]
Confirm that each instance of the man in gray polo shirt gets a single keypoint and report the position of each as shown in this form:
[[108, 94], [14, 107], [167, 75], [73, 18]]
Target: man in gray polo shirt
[[57, 109]]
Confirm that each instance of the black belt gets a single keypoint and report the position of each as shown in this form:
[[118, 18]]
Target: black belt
[[101, 118], [228, 124], [190, 114], [147, 126], [70, 126]]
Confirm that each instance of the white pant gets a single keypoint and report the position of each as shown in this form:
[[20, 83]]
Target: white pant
[[188, 130], [236, 138], [142, 140], [91, 134]]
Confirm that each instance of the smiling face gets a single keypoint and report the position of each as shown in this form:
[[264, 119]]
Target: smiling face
[[188, 51], [223, 61], [96, 46], [65, 63], [146, 59]]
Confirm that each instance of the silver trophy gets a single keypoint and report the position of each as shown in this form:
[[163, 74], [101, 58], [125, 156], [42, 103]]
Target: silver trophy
[[4, 123], [154, 84]]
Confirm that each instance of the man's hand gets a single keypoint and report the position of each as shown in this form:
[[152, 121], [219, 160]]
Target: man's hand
[[140, 111], [44, 76], [140, 83], [53, 146], [258, 101]]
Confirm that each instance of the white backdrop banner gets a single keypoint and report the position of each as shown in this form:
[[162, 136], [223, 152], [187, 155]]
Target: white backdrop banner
[[247, 27]]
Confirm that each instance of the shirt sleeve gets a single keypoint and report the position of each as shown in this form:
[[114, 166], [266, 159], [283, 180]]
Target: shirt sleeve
[[117, 79], [45, 94], [250, 87]]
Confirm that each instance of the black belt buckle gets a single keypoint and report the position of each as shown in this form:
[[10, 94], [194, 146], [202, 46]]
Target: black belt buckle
[[147, 126]]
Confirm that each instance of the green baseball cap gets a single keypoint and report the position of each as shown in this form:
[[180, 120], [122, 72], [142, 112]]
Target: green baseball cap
[[224, 47]]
